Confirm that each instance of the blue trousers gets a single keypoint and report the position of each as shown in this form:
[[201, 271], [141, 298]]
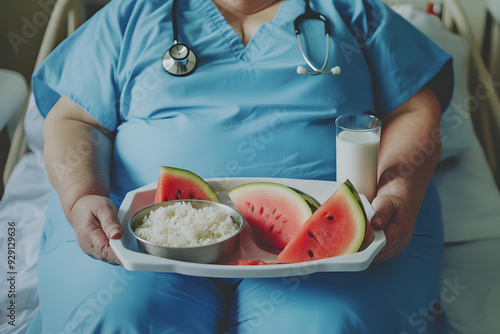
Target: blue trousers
[[81, 295]]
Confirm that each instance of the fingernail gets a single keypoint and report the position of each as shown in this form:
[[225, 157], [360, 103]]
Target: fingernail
[[115, 233], [376, 222]]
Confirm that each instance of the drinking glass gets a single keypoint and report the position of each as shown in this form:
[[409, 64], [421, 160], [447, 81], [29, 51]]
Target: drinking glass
[[358, 139]]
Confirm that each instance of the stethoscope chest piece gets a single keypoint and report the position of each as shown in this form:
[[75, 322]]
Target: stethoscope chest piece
[[179, 60]]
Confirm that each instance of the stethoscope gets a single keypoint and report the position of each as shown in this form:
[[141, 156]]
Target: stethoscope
[[181, 61]]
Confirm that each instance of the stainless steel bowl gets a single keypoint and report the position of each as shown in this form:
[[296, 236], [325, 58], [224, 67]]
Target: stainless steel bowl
[[200, 254]]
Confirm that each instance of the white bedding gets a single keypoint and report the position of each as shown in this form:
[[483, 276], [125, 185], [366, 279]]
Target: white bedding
[[24, 203], [462, 178]]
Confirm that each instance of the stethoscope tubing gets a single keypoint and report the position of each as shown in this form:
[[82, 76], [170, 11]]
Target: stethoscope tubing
[[311, 65], [175, 26]]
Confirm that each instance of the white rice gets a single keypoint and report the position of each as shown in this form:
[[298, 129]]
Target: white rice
[[181, 225]]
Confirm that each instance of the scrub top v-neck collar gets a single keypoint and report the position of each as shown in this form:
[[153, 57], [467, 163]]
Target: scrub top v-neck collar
[[259, 41]]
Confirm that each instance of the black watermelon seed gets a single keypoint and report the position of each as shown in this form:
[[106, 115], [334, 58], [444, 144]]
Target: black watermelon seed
[[310, 253], [179, 191], [310, 234], [165, 199], [253, 209], [176, 196], [191, 196], [329, 218], [271, 228]]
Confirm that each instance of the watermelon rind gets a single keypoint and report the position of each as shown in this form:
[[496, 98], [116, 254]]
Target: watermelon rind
[[183, 174], [355, 193], [368, 228], [311, 201], [357, 206]]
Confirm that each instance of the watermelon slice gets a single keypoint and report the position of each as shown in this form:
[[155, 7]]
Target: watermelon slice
[[337, 227], [275, 212], [176, 183]]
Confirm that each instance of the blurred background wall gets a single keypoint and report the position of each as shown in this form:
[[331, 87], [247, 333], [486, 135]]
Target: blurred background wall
[[22, 25]]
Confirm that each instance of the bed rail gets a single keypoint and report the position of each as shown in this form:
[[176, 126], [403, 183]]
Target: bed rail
[[485, 103], [65, 18]]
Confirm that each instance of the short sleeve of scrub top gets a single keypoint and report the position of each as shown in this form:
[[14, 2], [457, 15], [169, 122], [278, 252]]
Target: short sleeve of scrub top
[[245, 111], [84, 66], [398, 56]]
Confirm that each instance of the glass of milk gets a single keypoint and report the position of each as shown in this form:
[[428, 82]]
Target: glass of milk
[[358, 138]]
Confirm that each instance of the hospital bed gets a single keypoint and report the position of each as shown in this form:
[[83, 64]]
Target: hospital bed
[[466, 177]]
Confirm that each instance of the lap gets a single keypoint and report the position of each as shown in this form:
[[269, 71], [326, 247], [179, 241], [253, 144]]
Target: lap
[[80, 294], [89, 296], [397, 296]]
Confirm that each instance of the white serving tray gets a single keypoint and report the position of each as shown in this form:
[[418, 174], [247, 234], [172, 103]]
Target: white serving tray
[[127, 251]]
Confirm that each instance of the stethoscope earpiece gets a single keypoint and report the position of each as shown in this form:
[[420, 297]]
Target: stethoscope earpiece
[[334, 70]]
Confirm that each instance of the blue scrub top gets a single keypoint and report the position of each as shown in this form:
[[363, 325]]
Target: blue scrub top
[[244, 111]]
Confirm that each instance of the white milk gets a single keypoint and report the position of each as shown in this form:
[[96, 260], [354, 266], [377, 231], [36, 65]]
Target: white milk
[[357, 157]]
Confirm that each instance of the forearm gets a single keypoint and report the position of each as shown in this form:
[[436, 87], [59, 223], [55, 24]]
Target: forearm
[[77, 154], [409, 149]]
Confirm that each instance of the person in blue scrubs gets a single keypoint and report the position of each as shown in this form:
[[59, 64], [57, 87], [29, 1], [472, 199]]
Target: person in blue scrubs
[[114, 116]]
